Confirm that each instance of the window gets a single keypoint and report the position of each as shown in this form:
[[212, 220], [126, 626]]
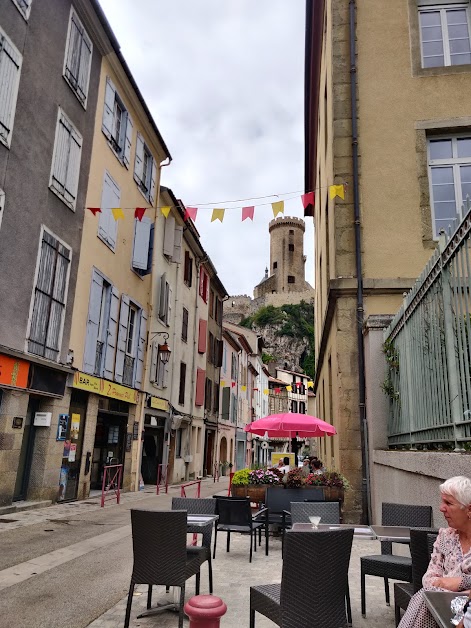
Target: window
[[66, 161], [208, 394], [291, 232], [200, 386], [275, 265], [449, 162], [131, 344], [218, 314], [143, 246], [165, 300], [181, 391], [302, 407], [211, 354], [211, 303], [145, 170], [173, 237], [178, 443], [445, 35], [117, 124], [185, 325], [24, 7], [102, 325], [234, 367], [294, 406], [159, 369], [188, 271], [78, 57], [204, 285], [290, 247], [291, 279], [216, 398], [202, 335], [49, 297], [107, 225], [10, 66]]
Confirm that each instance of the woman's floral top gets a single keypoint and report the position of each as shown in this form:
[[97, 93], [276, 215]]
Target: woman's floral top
[[448, 560]]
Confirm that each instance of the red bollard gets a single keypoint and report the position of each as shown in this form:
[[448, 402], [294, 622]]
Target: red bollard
[[205, 611]]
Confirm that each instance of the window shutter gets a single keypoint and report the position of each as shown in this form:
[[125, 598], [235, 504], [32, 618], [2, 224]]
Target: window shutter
[[111, 197], [201, 286], [163, 294], [10, 64], [128, 141], [200, 383], [121, 345], [91, 337], [177, 245], [169, 236], [139, 161], [226, 403], [181, 390], [112, 334], [203, 325], [141, 350], [219, 353], [141, 243], [108, 109], [169, 305], [73, 168], [153, 362], [153, 182], [84, 69], [186, 270]]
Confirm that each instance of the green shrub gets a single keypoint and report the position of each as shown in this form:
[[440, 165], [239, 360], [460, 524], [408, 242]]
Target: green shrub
[[241, 478]]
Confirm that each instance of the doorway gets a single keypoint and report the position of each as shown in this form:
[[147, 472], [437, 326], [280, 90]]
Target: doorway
[[110, 445], [26, 451], [72, 455], [208, 452], [152, 448]]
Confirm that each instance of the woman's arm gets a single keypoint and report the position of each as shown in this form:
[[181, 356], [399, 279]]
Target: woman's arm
[[435, 567]]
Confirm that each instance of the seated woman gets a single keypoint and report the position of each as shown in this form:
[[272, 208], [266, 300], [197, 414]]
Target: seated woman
[[450, 564], [317, 467]]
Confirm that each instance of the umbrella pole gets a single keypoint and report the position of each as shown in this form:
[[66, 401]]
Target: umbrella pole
[[294, 448]]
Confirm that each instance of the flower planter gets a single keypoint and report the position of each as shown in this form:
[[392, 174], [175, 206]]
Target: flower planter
[[256, 492]]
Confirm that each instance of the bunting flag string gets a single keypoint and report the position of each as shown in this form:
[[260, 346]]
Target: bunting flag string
[[266, 391], [218, 213]]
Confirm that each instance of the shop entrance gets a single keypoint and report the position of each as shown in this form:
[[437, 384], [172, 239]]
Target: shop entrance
[[110, 443], [26, 451], [152, 447], [208, 452], [72, 454]]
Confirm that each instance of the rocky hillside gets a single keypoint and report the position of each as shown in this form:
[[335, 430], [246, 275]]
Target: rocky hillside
[[288, 335]]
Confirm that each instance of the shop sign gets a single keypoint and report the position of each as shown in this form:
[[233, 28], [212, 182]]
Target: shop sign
[[158, 404], [13, 372], [104, 387]]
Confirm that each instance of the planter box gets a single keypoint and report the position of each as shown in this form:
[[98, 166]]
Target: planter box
[[256, 492]]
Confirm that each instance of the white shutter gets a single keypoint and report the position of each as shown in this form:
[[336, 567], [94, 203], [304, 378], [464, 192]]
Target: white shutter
[[169, 236], [141, 350], [139, 161], [94, 308], [140, 252], [177, 245], [111, 197], [153, 182], [108, 109], [163, 294], [128, 141], [10, 65], [169, 306], [73, 168], [84, 69], [112, 334], [153, 362], [121, 345]]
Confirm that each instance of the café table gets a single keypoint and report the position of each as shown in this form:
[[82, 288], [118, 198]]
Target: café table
[[438, 603], [394, 534], [359, 531]]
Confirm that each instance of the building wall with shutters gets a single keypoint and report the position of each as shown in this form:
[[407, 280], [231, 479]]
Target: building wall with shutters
[[25, 163]]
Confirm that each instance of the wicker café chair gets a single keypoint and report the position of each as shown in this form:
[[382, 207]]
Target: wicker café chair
[[299, 602], [420, 551], [198, 506], [235, 515], [386, 565], [160, 554]]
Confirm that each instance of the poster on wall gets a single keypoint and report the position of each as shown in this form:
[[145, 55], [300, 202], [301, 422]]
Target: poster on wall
[[276, 456], [66, 449], [62, 426], [62, 483], [72, 452], [75, 427]]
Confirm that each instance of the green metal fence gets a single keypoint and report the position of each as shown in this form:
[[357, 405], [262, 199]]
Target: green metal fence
[[428, 351]]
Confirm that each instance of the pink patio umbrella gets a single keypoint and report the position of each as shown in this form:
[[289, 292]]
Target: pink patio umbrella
[[290, 425]]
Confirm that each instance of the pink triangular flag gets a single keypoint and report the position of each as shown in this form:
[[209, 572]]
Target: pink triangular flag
[[247, 212], [190, 213], [307, 199]]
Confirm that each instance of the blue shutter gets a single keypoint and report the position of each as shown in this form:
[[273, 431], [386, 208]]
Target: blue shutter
[[112, 334], [141, 350], [108, 109], [128, 141], [121, 345], [73, 167], [169, 236], [139, 161], [140, 252], [94, 307], [153, 182], [111, 197]]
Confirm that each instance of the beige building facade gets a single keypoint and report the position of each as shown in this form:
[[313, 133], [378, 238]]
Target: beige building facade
[[402, 153]]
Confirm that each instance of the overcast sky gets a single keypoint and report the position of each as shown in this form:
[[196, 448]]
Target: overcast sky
[[223, 80]]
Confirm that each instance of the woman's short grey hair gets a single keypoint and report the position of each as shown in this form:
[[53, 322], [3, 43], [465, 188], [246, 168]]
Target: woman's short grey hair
[[459, 487]]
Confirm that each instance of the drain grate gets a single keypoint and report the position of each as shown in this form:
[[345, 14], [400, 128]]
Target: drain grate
[[8, 520]]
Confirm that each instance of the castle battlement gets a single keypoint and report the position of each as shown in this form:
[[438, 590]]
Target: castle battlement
[[287, 221]]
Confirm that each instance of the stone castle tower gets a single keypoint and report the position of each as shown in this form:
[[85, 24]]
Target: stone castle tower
[[285, 282]]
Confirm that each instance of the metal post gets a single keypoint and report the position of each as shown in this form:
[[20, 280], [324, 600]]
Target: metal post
[[205, 611]]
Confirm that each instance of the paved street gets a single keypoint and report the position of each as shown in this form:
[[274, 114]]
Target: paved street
[[70, 564]]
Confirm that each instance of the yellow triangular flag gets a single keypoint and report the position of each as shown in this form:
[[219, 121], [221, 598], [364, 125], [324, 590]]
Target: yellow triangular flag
[[243, 388], [310, 384], [222, 383], [289, 388], [117, 213], [278, 208], [165, 211], [266, 391], [218, 214], [337, 190]]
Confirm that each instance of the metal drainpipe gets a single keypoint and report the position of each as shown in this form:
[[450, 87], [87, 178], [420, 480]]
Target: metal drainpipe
[[365, 484]]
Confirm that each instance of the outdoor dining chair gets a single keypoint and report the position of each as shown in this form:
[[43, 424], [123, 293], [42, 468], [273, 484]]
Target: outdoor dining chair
[[278, 501], [299, 602], [235, 515], [386, 565], [160, 554], [420, 551], [198, 506]]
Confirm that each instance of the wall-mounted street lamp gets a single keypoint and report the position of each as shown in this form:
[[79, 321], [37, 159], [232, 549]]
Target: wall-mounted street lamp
[[164, 351]]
